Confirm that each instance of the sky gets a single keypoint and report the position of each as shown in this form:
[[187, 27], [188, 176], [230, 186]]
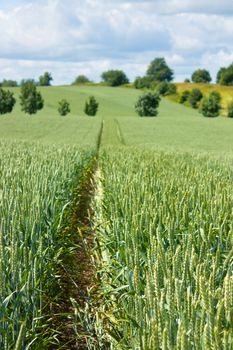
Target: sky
[[73, 37]]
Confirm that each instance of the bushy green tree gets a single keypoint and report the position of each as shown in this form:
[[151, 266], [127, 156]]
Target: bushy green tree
[[164, 88], [63, 107], [230, 109], [45, 79], [91, 106], [26, 81], [158, 70], [7, 101], [201, 76], [143, 82], [114, 77], [195, 97], [147, 104], [211, 105], [8, 83], [81, 79], [184, 96], [30, 99], [225, 75]]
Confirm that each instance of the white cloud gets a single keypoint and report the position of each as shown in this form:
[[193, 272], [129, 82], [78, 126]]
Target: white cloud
[[93, 35]]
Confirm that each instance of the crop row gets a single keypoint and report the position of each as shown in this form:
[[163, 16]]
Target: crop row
[[35, 185], [164, 241]]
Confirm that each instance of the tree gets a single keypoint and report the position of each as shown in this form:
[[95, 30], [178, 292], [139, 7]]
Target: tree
[[63, 107], [7, 101], [159, 70], [147, 104], [195, 96], [143, 82], [30, 99], [211, 106], [45, 79], [166, 89], [184, 96], [201, 76], [230, 109], [225, 75], [8, 83], [219, 74], [81, 79], [114, 77], [91, 106]]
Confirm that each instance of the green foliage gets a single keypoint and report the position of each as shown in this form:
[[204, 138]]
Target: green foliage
[[164, 88], [7, 101], [8, 83], [225, 75], [63, 107], [166, 276], [26, 81], [143, 82], [45, 79], [230, 109], [114, 77], [147, 105], [81, 79], [186, 80], [30, 99], [195, 96], [184, 96], [158, 70], [91, 106], [201, 76], [36, 183], [211, 106]]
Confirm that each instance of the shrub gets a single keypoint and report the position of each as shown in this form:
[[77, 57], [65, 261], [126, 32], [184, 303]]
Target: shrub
[[81, 79], [195, 96], [201, 76], [147, 104], [230, 109], [30, 99], [7, 101], [210, 106], [166, 89], [184, 96], [216, 95], [143, 82], [186, 80], [91, 106], [63, 107], [114, 77]]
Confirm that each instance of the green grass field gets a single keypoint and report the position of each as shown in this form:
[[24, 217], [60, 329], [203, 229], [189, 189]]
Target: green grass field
[[157, 193], [176, 128]]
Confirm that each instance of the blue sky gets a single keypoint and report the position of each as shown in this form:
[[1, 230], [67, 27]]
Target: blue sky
[[74, 37]]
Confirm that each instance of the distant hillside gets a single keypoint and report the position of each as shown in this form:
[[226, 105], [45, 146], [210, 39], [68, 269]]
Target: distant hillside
[[225, 91]]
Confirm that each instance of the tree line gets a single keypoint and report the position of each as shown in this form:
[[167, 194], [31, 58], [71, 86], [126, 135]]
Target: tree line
[[31, 101], [158, 79]]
